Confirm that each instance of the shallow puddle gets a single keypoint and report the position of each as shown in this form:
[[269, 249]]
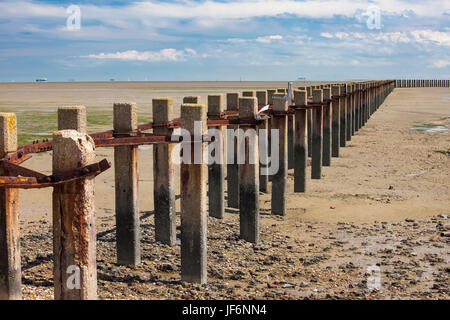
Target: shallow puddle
[[430, 127]]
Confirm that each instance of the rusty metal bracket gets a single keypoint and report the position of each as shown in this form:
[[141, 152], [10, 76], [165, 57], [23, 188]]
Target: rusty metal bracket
[[28, 179]]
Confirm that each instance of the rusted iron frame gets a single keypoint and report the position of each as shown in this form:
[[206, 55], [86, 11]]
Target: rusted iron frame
[[109, 138], [128, 139], [39, 180]]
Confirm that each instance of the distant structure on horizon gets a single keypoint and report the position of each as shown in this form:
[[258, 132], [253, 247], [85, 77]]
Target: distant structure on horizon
[[301, 78], [41, 80]]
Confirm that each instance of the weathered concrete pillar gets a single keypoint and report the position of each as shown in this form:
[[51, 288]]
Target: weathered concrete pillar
[[343, 117], [372, 100], [360, 106], [264, 143], [164, 174], [249, 173], [216, 170], [233, 168], [194, 216], [366, 103], [349, 113], [249, 93], [191, 99], [10, 267], [126, 187], [72, 118], [309, 116], [262, 98], [316, 163], [280, 178], [301, 141], [74, 232], [336, 122], [270, 93], [327, 115], [291, 133], [353, 99]]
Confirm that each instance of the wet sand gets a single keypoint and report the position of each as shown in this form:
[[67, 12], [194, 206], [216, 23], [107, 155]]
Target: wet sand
[[387, 190]]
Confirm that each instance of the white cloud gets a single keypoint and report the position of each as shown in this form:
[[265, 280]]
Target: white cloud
[[326, 35], [416, 36], [133, 55], [265, 39], [212, 10], [437, 37], [441, 64], [268, 39], [341, 35]]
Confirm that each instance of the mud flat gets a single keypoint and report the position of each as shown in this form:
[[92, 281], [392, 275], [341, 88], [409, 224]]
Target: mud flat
[[384, 203]]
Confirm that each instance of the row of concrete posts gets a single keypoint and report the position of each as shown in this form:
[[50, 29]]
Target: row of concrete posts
[[317, 123], [420, 83]]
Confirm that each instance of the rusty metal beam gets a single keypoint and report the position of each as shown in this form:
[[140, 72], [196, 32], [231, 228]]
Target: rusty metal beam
[[43, 181]]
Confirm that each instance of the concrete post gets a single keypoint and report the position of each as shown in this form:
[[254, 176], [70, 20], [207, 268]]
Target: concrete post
[[262, 97], [126, 187], [327, 115], [357, 111], [310, 128], [191, 99], [309, 119], [264, 156], [216, 170], [301, 142], [367, 97], [361, 105], [250, 93], [72, 118], [270, 93], [233, 168], [349, 120], [10, 267], [74, 232], [343, 110], [280, 178], [316, 164], [194, 217], [291, 132], [336, 122], [353, 99], [249, 174], [164, 174]]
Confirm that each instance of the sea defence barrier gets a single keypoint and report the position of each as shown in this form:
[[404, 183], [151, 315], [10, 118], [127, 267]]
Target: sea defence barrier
[[315, 121]]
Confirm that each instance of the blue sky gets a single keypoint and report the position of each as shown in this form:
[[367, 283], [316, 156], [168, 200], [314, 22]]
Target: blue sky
[[185, 40]]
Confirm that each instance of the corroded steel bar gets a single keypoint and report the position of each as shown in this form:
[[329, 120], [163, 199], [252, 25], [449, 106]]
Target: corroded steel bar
[[34, 182]]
